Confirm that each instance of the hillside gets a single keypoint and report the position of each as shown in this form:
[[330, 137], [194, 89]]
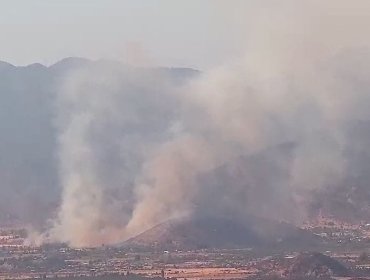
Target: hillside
[[219, 232], [317, 265]]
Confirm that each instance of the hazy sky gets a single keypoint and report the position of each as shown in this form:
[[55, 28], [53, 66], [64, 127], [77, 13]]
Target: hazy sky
[[195, 33], [167, 32]]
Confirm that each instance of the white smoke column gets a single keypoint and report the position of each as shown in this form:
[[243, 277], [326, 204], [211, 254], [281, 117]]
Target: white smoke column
[[170, 178], [109, 117], [81, 219]]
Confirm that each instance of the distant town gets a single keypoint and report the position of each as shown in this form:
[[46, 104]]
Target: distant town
[[346, 255]]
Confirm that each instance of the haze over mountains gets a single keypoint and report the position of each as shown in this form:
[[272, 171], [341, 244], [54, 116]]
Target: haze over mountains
[[31, 187], [97, 152]]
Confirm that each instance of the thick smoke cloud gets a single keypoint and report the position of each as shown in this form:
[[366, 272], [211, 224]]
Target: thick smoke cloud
[[255, 136]]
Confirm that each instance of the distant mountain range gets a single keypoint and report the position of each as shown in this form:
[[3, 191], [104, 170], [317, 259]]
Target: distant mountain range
[[30, 186]]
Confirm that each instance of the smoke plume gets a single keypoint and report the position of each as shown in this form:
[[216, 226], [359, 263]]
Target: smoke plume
[[251, 137]]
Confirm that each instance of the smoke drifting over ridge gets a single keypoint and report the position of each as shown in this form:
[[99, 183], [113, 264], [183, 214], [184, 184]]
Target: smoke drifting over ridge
[[253, 136]]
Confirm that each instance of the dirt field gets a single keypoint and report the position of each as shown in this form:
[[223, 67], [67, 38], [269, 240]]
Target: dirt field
[[199, 273]]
